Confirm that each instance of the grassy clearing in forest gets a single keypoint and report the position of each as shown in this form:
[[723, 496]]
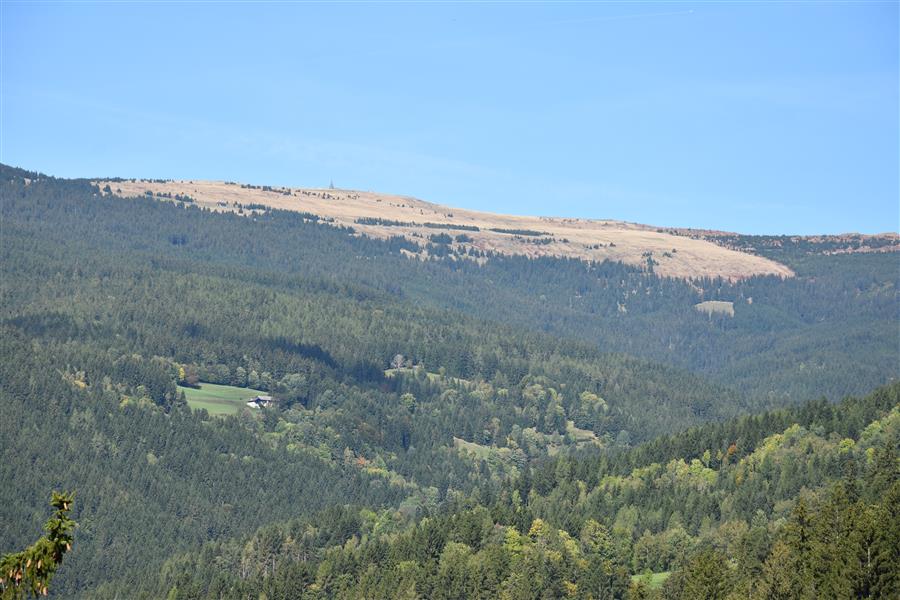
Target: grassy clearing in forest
[[431, 376], [478, 450], [652, 580], [716, 307], [219, 399], [581, 435]]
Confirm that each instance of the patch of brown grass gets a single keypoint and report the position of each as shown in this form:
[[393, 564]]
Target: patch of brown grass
[[585, 239]]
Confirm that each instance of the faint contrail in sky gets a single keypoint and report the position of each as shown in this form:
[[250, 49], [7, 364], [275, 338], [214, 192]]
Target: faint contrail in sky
[[621, 17]]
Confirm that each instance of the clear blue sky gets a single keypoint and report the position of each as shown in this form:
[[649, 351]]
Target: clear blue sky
[[756, 117]]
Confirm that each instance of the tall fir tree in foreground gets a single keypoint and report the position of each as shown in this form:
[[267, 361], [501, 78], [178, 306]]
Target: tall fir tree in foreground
[[30, 571]]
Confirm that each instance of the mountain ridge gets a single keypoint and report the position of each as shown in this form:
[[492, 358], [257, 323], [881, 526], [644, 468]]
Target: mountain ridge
[[387, 215]]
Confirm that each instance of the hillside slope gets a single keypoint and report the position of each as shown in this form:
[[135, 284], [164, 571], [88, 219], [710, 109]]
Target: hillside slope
[[829, 330], [746, 509], [384, 215], [108, 303]]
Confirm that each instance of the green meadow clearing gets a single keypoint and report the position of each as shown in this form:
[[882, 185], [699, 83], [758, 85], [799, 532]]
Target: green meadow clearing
[[431, 376], [219, 399], [478, 450], [716, 307], [652, 580]]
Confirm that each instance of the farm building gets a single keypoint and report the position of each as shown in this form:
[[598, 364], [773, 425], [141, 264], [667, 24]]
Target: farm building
[[260, 401]]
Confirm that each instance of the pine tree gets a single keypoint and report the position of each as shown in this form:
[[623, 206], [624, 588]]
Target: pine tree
[[707, 577], [885, 569], [32, 569]]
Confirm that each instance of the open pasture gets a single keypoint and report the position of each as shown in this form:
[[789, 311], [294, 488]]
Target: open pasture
[[219, 399]]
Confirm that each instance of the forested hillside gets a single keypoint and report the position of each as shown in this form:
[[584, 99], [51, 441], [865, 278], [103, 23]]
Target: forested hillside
[[492, 409], [828, 331], [792, 504], [102, 318]]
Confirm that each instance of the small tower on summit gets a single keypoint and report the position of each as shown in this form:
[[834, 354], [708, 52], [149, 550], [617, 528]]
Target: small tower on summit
[[331, 185]]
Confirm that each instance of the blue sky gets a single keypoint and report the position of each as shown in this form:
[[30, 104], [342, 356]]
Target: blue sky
[[759, 117]]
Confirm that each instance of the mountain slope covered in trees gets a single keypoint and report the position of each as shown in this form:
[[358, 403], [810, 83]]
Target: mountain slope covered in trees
[[828, 331], [499, 395], [809, 511]]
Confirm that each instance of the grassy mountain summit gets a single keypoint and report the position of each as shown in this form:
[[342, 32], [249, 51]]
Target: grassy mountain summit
[[385, 215]]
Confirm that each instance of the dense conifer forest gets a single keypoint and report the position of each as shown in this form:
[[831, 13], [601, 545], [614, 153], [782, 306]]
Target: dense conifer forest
[[809, 511], [449, 428]]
